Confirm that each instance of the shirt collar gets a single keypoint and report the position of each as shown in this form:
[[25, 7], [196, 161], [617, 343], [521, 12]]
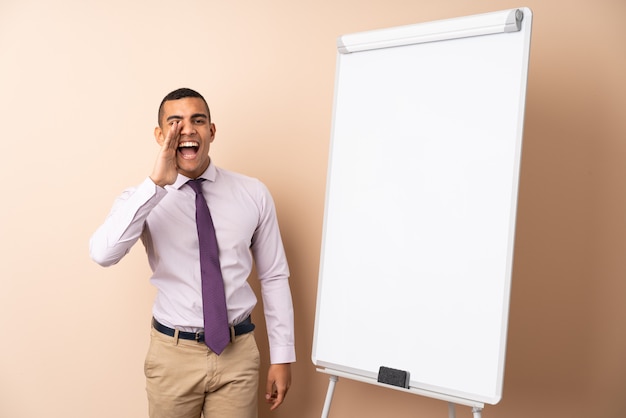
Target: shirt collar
[[209, 174]]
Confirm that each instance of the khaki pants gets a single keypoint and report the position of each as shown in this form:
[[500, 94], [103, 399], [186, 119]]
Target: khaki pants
[[185, 378]]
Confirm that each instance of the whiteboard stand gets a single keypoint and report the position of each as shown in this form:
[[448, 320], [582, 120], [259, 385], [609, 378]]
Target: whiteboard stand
[[477, 412], [477, 407], [426, 138], [329, 395], [451, 410]]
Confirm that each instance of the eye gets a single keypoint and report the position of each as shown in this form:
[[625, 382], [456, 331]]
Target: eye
[[199, 121]]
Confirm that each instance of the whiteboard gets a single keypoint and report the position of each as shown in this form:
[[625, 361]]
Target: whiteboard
[[419, 223]]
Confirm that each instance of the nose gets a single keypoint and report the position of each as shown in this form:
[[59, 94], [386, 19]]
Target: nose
[[187, 128]]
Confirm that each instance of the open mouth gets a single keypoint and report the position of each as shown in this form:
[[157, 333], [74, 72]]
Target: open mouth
[[188, 150]]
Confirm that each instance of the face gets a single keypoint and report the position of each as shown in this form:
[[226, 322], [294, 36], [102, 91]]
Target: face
[[195, 137]]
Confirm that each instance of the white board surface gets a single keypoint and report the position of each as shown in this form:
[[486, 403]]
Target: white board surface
[[417, 252]]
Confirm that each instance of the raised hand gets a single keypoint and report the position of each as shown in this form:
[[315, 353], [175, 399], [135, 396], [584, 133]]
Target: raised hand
[[165, 168]]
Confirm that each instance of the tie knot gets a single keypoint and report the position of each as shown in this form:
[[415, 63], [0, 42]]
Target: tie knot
[[196, 185]]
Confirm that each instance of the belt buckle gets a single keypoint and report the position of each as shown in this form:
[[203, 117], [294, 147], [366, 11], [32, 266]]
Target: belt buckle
[[198, 335]]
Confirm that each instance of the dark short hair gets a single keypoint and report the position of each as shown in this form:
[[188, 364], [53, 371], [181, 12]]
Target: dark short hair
[[181, 94]]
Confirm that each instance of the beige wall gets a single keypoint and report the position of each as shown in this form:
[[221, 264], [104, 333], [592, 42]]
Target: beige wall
[[79, 85]]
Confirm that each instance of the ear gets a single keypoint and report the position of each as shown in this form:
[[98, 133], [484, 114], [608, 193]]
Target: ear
[[213, 130], [158, 135]]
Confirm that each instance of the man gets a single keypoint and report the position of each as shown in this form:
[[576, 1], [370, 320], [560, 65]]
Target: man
[[184, 377]]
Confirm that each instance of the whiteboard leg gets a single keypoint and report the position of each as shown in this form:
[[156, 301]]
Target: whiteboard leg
[[451, 410], [329, 395], [477, 412]]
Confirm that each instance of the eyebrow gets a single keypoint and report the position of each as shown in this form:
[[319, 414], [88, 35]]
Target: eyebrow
[[194, 116]]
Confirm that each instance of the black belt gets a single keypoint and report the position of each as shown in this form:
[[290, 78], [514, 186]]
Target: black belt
[[241, 328]]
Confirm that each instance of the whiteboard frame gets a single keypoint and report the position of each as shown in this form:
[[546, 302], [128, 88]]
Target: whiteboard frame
[[442, 30]]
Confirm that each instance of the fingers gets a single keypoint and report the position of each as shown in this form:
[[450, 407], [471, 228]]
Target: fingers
[[278, 382], [165, 169], [171, 139], [271, 394], [275, 397]]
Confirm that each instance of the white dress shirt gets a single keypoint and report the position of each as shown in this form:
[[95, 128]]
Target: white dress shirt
[[246, 227]]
